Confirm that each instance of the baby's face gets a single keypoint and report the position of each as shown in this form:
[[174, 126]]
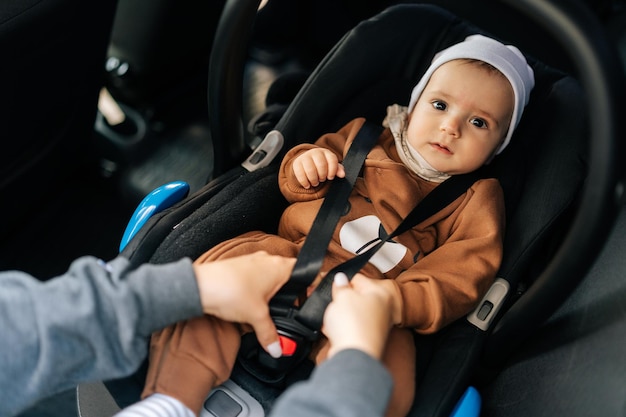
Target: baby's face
[[461, 117]]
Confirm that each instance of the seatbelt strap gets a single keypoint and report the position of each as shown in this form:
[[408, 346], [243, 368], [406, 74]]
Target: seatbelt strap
[[311, 312], [313, 252]]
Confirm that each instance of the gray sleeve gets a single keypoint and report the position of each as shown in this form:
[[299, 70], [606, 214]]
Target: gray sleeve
[[92, 323], [350, 384]]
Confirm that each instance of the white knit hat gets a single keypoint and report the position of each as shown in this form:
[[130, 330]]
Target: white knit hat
[[506, 58]]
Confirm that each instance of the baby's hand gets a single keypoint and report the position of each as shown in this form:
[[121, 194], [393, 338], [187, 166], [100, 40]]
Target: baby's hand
[[315, 166]]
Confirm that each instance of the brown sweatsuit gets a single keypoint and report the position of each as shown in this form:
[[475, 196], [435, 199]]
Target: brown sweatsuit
[[441, 267]]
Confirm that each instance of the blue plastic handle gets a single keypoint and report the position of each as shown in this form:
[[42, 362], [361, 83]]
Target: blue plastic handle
[[468, 405], [159, 199]]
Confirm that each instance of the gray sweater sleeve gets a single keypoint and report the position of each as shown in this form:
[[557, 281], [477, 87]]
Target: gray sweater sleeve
[[350, 384], [92, 323]]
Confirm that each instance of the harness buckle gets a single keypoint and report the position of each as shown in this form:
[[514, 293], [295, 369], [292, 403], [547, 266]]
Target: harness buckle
[[296, 341]]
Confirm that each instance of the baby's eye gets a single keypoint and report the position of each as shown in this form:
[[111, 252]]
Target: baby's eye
[[439, 105], [480, 123]]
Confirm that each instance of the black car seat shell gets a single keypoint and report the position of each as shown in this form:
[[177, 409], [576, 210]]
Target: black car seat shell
[[360, 76]]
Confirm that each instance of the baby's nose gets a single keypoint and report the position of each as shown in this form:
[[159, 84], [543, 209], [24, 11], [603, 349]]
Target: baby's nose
[[451, 126]]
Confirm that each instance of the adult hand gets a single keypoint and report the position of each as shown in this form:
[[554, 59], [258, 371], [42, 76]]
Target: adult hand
[[239, 289], [315, 166], [359, 317]]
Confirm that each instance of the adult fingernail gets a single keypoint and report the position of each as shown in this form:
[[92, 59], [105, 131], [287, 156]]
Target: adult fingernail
[[275, 350], [341, 279]]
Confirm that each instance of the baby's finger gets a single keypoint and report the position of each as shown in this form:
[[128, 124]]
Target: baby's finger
[[302, 169], [341, 171], [320, 163], [332, 164]]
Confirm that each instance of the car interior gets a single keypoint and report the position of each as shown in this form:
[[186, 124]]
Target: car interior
[[195, 92]]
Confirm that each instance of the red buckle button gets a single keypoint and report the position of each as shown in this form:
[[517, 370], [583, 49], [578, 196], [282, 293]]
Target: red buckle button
[[288, 345]]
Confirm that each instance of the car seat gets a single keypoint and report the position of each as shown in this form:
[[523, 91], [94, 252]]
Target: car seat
[[547, 173]]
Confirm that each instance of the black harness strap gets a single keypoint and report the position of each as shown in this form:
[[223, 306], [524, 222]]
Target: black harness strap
[[296, 339], [313, 250]]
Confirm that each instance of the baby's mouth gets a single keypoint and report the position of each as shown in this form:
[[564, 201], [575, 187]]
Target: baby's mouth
[[441, 148]]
